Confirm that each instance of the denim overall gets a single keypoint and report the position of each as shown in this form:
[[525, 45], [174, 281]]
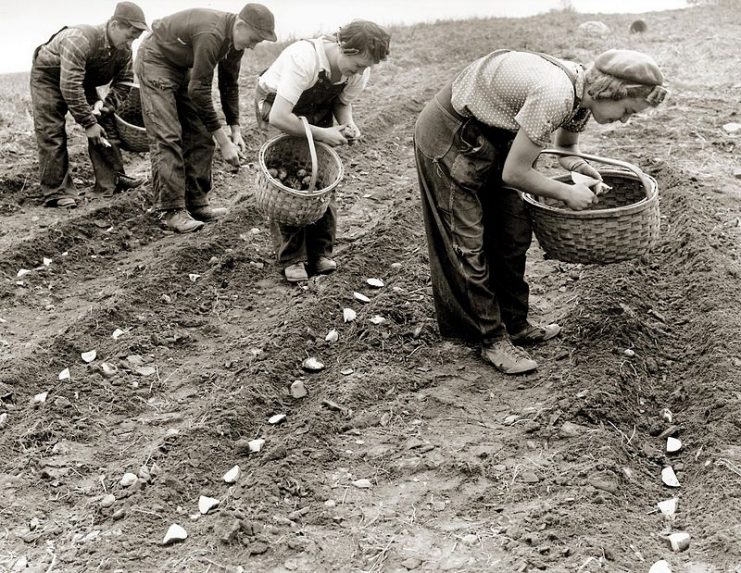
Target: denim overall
[[49, 114], [308, 243], [478, 231]]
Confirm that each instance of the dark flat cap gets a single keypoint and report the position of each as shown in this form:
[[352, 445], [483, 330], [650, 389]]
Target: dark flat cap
[[131, 14], [630, 66]]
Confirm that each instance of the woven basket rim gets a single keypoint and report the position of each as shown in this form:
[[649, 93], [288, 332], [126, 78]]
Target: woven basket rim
[[264, 168], [127, 124], [649, 185]]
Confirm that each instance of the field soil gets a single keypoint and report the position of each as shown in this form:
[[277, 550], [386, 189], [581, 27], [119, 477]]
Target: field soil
[[408, 453]]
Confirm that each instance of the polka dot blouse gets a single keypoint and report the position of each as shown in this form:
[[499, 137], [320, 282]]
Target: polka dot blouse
[[519, 90]]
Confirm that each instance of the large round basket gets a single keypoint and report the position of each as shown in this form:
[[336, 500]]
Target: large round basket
[[623, 225], [289, 206], [130, 124]]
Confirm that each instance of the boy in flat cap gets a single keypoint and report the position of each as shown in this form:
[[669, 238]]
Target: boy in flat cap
[[318, 79], [475, 143], [65, 74], [175, 66]]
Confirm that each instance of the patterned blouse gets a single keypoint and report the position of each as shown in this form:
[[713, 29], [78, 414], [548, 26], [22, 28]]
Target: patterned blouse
[[520, 90]]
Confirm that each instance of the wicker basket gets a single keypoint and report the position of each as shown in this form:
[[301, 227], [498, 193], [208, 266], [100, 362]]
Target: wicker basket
[[623, 225], [290, 206], [130, 124]]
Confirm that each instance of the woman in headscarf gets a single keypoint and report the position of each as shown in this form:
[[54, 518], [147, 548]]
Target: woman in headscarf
[[475, 143], [318, 79]]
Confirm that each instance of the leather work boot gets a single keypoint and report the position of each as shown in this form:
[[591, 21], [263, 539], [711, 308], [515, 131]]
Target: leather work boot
[[124, 182], [296, 273], [207, 213], [532, 334], [180, 221], [508, 358], [325, 265]]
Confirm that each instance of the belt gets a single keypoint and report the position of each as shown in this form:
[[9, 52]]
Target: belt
[[444, 97]]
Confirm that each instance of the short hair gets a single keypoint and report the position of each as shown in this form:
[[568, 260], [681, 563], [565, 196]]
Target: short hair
[[364, 37], [603, 86]]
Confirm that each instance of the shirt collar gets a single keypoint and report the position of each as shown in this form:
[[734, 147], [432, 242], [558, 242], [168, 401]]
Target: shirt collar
[[103, 31]]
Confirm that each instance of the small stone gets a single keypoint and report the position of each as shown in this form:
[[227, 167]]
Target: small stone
[[298, 390], [660, 567], [362, 484], [673, 445], [470, 539], [119, 514], [174, 534], [108, 500], [193, 277], [64, 374], [88, 357], [332, 336], [3, 419], [117, 334], [311, 364], [277, 419], [412, 562], [258, 548], [330, 503], [232, 475], [206, 504], [377, 319], [346, 371], [571, 430], [39, 399], [144, 474], [375, 283], [670, 431], [256, 445], [668, 507], [108, 370], [61, 402], [348, 314], [34, 523], [629, 352], [396, 266], [669, 477], [732, 127], [679, 541], [361, 297], [128, 479], [667, 415], [603, 482]]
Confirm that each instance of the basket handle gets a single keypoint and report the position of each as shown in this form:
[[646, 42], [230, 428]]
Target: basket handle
[[312, 150], [624, 164]]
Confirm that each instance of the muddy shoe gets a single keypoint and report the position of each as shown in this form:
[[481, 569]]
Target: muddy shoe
[[296, 273], [207, 213], [124, 183], [532, 334], [508, 358], [180, 221], [325, 265]]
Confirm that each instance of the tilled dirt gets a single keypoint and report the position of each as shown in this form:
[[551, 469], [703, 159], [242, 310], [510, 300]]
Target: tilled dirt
[[466, 470]]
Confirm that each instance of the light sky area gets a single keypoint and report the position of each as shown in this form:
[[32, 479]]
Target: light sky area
[[26, 24]]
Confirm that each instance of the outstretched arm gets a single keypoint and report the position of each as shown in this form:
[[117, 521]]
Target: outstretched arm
[[519, 173]]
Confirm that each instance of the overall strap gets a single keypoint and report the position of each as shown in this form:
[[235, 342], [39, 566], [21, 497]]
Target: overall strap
[[54, 35]]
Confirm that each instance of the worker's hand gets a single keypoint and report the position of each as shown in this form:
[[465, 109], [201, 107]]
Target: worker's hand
[[351, 133], [586, 169], [97, 135], [580, 197], [333, 136], [236, 137], [97, 107], [230, 153]]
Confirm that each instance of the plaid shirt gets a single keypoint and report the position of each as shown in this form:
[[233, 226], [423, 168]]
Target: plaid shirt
[[83, 58]]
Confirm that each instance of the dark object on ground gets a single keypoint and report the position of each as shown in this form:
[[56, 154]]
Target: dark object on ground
[[638, 27]]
